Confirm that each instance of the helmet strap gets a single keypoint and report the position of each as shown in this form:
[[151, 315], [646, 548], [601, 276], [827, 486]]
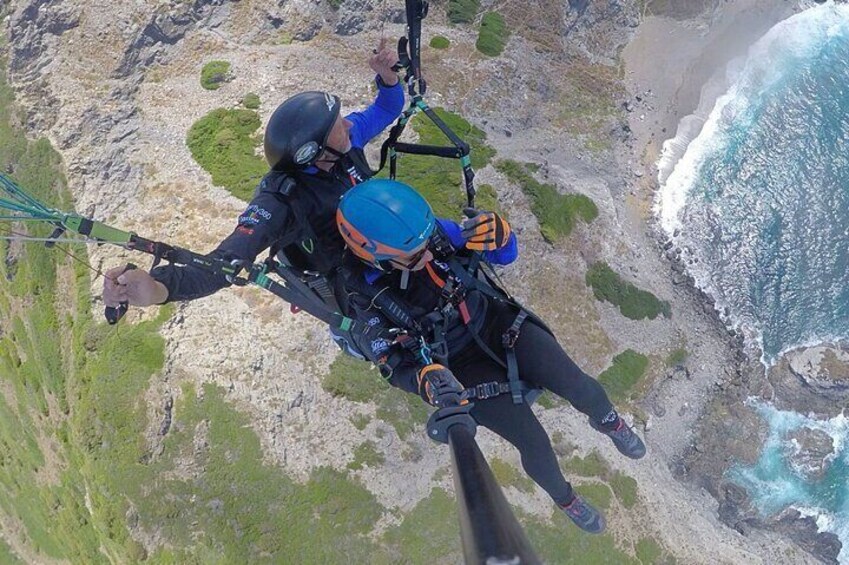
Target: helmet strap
[[333, 152]]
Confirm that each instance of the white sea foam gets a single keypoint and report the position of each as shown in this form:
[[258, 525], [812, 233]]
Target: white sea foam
[[726, 104], [772, 491], [682, 156]]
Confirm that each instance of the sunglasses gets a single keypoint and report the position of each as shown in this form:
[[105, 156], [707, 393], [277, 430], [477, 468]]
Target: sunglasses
[[410, 261]]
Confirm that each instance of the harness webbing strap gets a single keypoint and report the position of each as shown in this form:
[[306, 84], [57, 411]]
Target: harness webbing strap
[[509, 341], [490, 389]]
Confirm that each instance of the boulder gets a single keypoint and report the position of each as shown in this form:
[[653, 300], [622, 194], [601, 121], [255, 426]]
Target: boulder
[[810, 452]]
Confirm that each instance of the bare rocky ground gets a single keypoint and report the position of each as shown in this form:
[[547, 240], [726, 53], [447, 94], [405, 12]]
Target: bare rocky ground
[[115, 87]]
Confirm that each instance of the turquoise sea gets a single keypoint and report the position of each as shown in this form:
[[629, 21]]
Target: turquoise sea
[[758, 202]]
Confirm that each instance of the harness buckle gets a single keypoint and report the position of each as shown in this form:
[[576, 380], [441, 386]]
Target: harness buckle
[[509, 338], [487, 390]]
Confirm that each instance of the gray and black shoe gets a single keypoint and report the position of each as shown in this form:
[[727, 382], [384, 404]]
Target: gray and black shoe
[[626, 441], [584, 515]]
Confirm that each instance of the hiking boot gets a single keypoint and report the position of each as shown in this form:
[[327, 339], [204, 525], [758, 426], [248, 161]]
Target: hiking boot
[[626, 441], [584, 516]]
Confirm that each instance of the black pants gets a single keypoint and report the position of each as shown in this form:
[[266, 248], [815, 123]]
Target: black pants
[[542, 362]]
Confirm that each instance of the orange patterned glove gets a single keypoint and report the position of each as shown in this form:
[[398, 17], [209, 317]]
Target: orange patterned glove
[[486, 231], [439, 387]]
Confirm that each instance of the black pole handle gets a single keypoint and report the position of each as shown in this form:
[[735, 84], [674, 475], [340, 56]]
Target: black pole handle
[[114, 314]]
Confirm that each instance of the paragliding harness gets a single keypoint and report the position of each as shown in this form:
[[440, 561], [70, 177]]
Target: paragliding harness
[[314, 276], [465, 274]]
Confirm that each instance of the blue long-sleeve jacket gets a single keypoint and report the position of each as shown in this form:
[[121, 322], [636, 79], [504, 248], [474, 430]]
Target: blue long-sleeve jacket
[[270, 217]]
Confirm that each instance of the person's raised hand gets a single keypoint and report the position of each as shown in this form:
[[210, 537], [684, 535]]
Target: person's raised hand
[[382, 60]]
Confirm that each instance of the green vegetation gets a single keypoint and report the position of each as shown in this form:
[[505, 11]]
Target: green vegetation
[[677, 357], [214, 74], [439, 179], [632, 302], [625, 489], [556, 213], [358, 381], [440, 42], [245, 508], [39, 488], [360, 421], [251, 101], [428, 534], [626, 371], [366, 455], [559, 542], [7, 556], [509, 476], [335, 4], [597, 494], [493, 34], [593, 466], [463, 11], [224, 143], [590, 466], [648, 551]]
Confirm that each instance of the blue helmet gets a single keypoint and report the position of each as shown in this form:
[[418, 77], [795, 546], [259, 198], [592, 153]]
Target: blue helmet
[[383, 219]]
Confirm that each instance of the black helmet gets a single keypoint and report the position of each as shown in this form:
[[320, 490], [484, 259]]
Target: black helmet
[[298, 129]]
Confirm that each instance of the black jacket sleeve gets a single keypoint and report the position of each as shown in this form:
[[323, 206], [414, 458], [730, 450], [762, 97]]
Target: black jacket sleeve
[[261, 224]]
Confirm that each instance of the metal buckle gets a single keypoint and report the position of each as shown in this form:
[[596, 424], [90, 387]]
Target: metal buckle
[[486, 390], [508, 339]]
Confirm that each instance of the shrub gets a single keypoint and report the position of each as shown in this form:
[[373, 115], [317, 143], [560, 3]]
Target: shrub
[[366, 455], [440, 42], [358, 381], [632, 302], [493, 34], [251, 101], [626, 371], [555, 212], [463, 11], [224, 143], [214, 74]]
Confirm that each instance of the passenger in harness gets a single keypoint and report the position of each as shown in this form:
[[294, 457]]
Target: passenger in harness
[[459, 332], [315, 154]]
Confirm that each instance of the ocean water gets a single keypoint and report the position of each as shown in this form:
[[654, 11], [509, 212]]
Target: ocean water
[[760, 199], [775, 483], [755, 193]]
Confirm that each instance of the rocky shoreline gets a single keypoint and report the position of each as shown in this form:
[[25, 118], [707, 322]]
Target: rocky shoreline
[[810, 380]]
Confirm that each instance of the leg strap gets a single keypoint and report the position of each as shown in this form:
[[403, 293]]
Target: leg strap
[[508, 340]]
